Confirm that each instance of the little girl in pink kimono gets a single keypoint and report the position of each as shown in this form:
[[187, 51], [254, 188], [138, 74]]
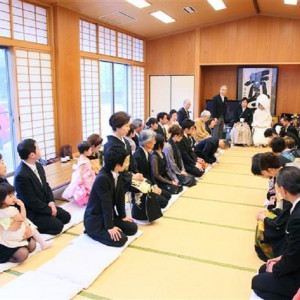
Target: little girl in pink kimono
[[83, 176]]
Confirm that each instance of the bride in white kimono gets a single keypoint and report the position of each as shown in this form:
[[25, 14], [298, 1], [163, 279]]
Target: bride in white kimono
[[262, 120]]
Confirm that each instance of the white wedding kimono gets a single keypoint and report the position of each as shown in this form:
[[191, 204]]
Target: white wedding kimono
[[262, 120]]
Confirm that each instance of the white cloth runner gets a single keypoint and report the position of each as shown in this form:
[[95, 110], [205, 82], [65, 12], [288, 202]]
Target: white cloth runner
[[38, 285], [253, 296], [77, 214], [84, 260], [174, 198], [9, 265]]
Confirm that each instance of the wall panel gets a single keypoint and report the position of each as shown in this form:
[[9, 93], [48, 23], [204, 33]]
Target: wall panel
[[172, 55], [252, 40], [67, 62]]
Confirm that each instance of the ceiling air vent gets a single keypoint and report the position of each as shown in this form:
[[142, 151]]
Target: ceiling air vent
[[117, 18], [189, 9]]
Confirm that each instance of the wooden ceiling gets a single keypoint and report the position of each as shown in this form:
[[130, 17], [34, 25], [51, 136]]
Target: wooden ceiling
[[148, 27]]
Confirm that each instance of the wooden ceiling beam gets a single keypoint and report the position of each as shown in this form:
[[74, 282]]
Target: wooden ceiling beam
[[256, 6]]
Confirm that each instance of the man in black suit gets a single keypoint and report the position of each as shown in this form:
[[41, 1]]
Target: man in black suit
[[183, 113], [190, 160], [162, 119], [207, 148], [279, 278], [243, 112], [105, 218], [33, 189], [218, 111], [138, 123], [142, 158], [288, 127]]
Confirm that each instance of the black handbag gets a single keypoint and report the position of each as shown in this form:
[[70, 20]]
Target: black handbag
[[147, 208], [174, 189], [153, 210]]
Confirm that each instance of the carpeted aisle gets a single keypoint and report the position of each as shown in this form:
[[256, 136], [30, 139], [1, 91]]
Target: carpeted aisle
[[201, 249]]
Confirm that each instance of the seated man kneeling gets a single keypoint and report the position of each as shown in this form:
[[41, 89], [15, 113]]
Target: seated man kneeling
[[207, 148], [33, 189], [105, 218]]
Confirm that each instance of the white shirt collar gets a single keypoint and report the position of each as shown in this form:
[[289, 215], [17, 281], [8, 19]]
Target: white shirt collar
[[146, 153], [294, 205], [34, 169], [31, 166], [222, 97], [115, 176]]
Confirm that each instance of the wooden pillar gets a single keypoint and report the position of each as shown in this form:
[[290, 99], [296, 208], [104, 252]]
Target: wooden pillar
[[67, 71]]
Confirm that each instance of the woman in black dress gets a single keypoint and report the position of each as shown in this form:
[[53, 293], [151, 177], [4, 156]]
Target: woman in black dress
[[160, 173]]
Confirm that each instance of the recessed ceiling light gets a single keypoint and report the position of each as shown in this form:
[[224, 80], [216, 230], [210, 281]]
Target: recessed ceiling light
[[217, 4], [290, 2], [139, 3], [160, 15]]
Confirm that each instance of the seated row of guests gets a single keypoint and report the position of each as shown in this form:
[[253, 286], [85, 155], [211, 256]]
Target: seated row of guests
[[279, 132], [279, 278], [34, 201]]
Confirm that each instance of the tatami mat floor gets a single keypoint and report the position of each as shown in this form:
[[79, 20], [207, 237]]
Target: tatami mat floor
[[201, 249]]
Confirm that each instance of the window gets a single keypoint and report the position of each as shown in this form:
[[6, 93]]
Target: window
[[124, 46], [4, 19], [90, 110], [88, 36], [29, 22], [114, 91], [106, 95], [7, 145], [138, 92], [107, 41], [35, 99], [138, 50]]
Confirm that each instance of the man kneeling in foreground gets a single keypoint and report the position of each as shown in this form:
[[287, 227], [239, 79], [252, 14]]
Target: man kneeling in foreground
[[105, 219]]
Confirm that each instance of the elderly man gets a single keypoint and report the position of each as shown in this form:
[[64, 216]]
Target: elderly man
[[183, 113], [218, 111], [201, 132], [138, 123]]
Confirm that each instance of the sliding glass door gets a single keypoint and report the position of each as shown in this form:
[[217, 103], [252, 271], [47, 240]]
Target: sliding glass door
[[114, 92], [7, 142]]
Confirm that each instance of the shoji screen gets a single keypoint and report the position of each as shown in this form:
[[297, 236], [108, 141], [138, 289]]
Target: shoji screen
[[90, 109], [35, 99], [4, 18], [29, 22], [138, 92]]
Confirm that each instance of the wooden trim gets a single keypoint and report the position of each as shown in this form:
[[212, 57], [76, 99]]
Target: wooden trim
[[197, 75], [25, 45], [111, 59], [250, 63]]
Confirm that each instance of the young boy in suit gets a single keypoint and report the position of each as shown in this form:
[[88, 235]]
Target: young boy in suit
[[105, 219]]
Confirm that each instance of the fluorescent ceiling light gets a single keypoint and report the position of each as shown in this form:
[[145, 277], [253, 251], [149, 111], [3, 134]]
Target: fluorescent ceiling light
[[290, 2], [160, 15], [139, 3], [217, 4]]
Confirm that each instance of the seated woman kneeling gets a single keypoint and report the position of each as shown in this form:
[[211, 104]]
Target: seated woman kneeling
[[174, 159], [105, 218]]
